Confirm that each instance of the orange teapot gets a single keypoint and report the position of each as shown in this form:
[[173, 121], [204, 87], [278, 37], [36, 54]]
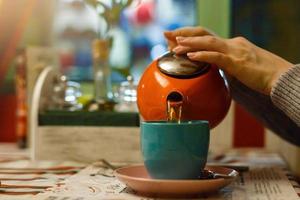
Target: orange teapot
[[201, 86]]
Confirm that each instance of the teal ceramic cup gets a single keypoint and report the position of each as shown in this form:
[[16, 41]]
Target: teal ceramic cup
[[174, 150]]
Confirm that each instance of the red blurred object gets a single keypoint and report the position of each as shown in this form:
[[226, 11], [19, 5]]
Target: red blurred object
[[205, 97], [144, 13], [248, 132], [8, 118], [66, 59]]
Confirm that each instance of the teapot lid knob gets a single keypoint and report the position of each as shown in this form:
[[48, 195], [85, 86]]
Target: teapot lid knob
[[180, 66]]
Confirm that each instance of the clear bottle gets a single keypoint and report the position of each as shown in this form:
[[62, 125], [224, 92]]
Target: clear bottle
[[127, 96], [102, 72], [21, 107]]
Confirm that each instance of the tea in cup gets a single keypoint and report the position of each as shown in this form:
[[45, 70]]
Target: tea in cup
[[175, 150]]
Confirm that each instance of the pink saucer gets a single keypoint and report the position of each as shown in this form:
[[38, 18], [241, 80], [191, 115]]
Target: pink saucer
[[137, 178]]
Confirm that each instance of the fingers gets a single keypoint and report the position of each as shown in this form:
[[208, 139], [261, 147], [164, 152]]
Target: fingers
[[209, 43], [184, 32], [183, 49], [187, 32], [217, 58], [171, 44]]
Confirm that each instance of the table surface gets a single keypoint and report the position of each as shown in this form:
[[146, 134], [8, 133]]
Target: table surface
[[34, 177]]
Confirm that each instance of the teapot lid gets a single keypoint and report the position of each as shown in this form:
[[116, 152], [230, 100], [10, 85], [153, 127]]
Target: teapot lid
[[180, 66]]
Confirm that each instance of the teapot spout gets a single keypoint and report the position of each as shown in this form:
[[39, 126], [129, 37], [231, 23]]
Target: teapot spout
[[174, 106]]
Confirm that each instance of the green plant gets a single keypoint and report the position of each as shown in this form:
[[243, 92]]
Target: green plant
[[109, 13]]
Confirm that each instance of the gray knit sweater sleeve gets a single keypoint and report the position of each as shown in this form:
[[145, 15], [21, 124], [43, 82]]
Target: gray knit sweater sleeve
[[263, 108], [286, 93]]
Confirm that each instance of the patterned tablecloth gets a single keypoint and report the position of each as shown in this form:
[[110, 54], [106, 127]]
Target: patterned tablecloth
[[53, 180]]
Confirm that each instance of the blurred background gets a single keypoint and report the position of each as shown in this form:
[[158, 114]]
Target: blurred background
[[35, 34], [69, 27]]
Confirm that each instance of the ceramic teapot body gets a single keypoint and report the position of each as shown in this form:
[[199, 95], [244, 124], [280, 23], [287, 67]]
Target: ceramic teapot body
[[205, 95]]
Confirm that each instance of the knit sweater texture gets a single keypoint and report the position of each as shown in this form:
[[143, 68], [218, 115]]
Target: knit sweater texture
[[286, 93], [278, 111]]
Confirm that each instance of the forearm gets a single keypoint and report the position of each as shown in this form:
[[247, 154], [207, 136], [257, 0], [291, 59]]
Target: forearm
[[262, 107]]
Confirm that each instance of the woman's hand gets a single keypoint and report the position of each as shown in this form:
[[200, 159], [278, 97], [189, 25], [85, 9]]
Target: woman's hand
[[184, 32], [255, 67]]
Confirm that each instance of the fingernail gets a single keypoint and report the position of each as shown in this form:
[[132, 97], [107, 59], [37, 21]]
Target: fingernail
[[176, 49], [179, 39], [191, 55]]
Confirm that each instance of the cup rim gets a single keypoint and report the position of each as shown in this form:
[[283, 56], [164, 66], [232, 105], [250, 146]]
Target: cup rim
[[168, 123]]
